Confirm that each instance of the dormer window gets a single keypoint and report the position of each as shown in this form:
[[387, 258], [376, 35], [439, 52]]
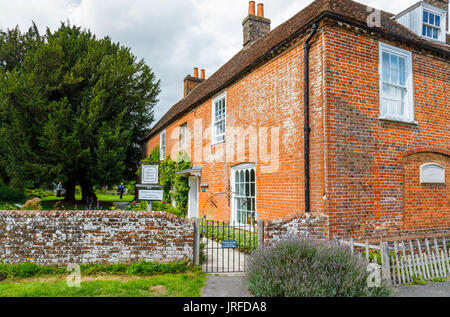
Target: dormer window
[[427, 19], [431, 24]]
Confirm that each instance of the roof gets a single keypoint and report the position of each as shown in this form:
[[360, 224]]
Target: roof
[[343, 10]]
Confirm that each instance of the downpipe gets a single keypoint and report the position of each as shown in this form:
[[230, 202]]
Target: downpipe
[[307, 128]]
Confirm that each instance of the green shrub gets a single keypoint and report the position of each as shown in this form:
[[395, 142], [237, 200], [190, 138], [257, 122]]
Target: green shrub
[[305, 268], [6, 206], [11, 195], [27, 270], [142, 268], [156, 206], [39, 193]]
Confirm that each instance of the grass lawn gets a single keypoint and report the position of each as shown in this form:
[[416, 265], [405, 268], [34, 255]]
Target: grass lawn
[[106, 198], [169, 285], [105, 201]]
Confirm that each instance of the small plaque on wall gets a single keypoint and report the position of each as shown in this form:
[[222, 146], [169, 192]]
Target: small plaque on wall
[[432, 174], [150, 174]]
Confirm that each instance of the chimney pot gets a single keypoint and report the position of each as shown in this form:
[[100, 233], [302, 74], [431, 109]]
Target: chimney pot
[[261, 10], [251, 8], [196, 72], [202, 74]]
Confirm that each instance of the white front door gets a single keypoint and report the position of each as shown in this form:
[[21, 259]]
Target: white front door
[[193, 197]]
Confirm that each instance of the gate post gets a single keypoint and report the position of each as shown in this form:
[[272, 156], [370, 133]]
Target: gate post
[[385, 262], [260, 232], [196, 241]]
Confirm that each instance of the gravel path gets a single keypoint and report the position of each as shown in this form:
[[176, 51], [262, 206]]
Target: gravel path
[[429, 290], [233, 285]]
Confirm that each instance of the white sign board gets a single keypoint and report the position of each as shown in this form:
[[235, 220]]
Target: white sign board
[[150, 174], [432, 174], [151, 194]]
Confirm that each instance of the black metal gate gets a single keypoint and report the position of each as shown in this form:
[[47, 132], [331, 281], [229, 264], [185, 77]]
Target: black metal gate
[[225, 247]]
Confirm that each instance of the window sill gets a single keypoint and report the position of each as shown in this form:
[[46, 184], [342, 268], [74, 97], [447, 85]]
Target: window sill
[[398, 120], [217, 143]]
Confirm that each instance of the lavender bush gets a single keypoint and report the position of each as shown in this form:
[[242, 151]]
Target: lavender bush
[[297, 267]]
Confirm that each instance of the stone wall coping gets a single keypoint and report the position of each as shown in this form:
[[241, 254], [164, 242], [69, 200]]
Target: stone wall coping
[[91, 214], [288, 218]]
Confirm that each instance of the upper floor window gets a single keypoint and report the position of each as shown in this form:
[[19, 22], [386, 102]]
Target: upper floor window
[[432, 24], [396, 86], [219, 118], [162, 145], [183, 133]]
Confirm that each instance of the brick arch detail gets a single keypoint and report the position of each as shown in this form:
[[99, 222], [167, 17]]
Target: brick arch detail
[[425, 206], [427, 149]]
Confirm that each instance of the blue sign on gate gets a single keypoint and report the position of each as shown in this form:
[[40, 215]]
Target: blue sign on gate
[[229, 244]]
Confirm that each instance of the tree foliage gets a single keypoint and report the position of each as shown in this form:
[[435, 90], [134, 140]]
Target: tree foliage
[[72, 108]]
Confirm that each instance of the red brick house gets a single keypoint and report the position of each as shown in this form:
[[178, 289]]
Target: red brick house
[[343, 110]]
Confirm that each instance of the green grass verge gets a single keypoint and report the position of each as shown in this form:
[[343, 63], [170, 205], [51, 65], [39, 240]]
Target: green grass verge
[[106, 198], [168, 285], [142, 268]]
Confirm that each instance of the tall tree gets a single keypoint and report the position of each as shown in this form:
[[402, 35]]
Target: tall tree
[[72, 108]]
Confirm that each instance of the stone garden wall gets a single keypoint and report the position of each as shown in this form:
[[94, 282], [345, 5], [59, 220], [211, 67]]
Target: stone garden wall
[[63, 237], [312, 225]]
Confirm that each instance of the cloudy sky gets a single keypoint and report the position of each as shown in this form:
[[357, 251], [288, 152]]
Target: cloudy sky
[[173, 36]]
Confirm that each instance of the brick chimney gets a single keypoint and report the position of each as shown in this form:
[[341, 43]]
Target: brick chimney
[[190, 82], [255, 26]]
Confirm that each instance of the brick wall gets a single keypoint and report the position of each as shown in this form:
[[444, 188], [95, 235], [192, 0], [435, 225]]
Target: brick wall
[[313, 225], [271, 96], [373, 188], [63, 237], [361, 176]]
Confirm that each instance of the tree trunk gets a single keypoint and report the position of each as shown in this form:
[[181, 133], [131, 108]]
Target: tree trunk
[[70, 193], [88, 193]]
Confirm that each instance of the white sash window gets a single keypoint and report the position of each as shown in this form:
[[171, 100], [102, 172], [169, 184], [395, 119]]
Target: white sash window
[[396, 84], [243, 180]]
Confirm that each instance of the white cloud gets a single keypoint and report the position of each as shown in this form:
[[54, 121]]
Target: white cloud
[[172, 36]]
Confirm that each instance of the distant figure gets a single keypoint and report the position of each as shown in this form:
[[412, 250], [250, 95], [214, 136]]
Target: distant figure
[[121, 190], [58, 189]]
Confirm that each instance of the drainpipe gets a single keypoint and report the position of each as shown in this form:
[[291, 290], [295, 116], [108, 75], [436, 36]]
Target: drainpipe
[[307, 128]]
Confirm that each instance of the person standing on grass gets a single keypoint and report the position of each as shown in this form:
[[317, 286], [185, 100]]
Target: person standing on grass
[[121, 190], [58, 189]]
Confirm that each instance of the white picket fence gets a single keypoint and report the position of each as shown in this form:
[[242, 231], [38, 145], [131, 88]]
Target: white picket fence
[[406, 262]]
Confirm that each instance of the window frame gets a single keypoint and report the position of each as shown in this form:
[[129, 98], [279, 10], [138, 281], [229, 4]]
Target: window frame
[[162, 156], [443, 19], [237, 168], [409, 111], [214, 139]]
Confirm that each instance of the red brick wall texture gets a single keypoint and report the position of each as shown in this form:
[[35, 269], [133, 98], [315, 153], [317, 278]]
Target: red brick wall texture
[[364, 171]]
